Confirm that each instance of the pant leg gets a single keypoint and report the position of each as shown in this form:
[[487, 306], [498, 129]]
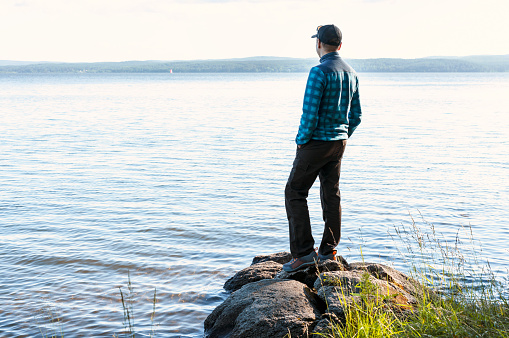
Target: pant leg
[[309, 161], [331, 200], [302, 177]]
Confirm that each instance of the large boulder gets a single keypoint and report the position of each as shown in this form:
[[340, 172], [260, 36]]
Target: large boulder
[[253, 273], [266, 308]]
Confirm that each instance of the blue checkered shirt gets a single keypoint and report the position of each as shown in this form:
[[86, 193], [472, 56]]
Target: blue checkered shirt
[[331, 109]]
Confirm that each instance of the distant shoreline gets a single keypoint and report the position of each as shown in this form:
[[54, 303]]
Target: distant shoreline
[[473, 64]]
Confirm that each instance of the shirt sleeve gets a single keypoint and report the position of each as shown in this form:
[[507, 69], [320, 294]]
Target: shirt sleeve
[[355, 114], [312, 97]]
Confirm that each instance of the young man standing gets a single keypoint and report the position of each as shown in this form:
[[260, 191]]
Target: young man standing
[[330, 114]]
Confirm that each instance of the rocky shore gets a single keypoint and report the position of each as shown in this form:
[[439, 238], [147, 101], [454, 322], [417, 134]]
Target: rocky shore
[[266, 301]]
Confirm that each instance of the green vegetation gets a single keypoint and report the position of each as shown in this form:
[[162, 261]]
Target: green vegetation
[[460, 298], [267, 65], [368, 316], [128, 306], [49, 321]]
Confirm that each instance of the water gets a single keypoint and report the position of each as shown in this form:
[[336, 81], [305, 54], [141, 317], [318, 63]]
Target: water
[[179, 179]]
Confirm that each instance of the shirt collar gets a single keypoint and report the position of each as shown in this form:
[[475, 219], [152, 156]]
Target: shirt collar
[[328, 56]]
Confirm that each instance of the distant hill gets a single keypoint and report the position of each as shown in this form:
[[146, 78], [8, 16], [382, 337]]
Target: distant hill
[[417, 65], [19, 63], [267, 64], [497, 63]]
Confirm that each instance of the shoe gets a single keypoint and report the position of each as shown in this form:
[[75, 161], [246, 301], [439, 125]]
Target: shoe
[[300, 263], [331, 256]]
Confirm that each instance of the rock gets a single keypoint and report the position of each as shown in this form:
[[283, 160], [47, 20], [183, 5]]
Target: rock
[[309, 275], [340, 289], [324, 325], [338, 265], [393, 276], [253, 273], [270, 302], [337, 303], [348, 281], [266, 308], [280, 257], [343, 262]]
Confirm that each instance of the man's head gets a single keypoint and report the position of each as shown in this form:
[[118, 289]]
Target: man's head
[[328, 39]]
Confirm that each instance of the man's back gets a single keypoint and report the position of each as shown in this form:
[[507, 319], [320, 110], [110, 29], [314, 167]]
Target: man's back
[[331, 109]]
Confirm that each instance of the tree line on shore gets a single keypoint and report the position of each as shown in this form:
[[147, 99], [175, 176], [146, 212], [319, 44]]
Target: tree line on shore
[[269, 65]]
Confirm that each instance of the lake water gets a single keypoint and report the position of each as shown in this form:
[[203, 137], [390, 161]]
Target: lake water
[[179, 179]]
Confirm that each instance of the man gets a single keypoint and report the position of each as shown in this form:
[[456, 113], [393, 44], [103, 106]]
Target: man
[[330, 114]]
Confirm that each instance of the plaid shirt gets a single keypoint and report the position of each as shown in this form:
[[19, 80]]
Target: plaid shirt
[[331, 109]]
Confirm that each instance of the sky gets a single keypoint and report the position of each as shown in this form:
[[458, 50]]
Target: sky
[[122, 30]]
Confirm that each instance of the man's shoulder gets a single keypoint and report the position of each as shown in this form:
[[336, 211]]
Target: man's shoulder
[[335, 65], [316, 69], [316, 73]]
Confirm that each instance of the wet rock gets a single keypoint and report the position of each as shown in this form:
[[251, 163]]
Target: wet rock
[[280, 257], [253, 273], [266, 308]]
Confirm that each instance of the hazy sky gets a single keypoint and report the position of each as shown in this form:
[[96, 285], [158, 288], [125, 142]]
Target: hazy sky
[[118, 30]]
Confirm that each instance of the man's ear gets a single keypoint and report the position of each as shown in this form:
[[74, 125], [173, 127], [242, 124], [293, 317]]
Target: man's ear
[[319, 43], [341, 44]]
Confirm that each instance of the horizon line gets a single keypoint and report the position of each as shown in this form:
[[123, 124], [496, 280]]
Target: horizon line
[[254, 57]]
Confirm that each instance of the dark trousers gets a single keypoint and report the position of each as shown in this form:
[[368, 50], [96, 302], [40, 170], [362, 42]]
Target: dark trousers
[[323, 159]]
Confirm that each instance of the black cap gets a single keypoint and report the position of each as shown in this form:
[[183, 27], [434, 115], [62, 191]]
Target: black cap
[[328, 34]]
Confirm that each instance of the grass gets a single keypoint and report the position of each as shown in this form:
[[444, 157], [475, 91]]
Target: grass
[[49, 322], [368, 315], [460, 297], [127, 305], [127, 300]]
